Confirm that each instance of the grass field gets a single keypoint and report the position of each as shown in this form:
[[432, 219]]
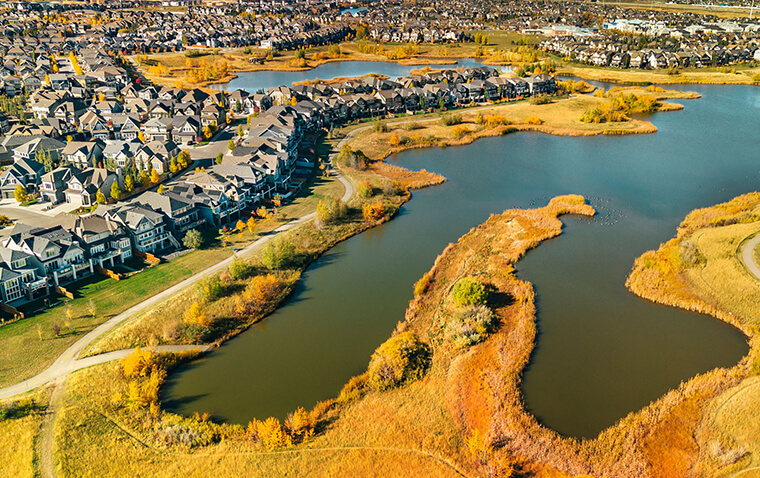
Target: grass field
[[17, 442], [30, 345]]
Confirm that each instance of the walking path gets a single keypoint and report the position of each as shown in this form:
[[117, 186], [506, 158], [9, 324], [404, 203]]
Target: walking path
[[67, 363], [748, 256]]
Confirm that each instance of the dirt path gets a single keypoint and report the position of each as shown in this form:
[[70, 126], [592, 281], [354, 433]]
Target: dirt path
[[46, 461]]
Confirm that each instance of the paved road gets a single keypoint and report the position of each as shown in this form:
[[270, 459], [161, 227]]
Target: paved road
[[748, 256], [67, 363]]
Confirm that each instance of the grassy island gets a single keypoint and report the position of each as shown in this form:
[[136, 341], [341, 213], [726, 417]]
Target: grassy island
[[561, 116]]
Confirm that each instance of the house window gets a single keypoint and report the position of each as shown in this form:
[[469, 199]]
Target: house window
[[13, 290], [49, 253]]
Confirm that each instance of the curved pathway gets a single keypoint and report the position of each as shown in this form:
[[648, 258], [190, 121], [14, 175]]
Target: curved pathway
[[748, 256], [67, 362]]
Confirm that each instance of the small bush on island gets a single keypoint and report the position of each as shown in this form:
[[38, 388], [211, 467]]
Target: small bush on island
[[534, 120], [401, 359], [460, 131], [471, 325], [469, 292], [451, 119]]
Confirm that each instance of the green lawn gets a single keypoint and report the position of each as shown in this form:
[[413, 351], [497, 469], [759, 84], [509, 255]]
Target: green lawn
[[30, 345]]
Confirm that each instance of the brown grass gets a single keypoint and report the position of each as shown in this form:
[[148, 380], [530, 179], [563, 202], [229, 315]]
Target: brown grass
[[647, 77], [712, 428], [561, 118]]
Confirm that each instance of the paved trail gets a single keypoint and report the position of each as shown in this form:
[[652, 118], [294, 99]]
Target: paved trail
[[748, 256]]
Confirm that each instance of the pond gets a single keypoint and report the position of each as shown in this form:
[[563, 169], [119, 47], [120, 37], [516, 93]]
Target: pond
[[601, 351]]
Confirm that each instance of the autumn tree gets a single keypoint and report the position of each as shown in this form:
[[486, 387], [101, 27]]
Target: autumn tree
[[231, 145], [144, 179], [138, 363], [270, 433], [365, 189], [161, 188], [195, 315], [329, 211], [373, 211], [100, 198], [193, 239], [395, 140], [20, 194], [115, 191], [129, 183], [154, 176], [401, 359], [141, 136], [219, 158]]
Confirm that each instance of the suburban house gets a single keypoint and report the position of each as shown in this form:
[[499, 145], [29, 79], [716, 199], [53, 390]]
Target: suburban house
[[55, 182], [181, 212], [145, 226], [82, 154], [25, 172], [156, 155], [19, 278], [83, 187]]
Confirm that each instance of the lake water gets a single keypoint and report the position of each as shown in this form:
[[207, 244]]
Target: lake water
[[253, 81], [601, 352]]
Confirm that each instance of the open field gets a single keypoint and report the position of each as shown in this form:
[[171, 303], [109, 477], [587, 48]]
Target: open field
[[20, 422], [560, 117], [17, 443]]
